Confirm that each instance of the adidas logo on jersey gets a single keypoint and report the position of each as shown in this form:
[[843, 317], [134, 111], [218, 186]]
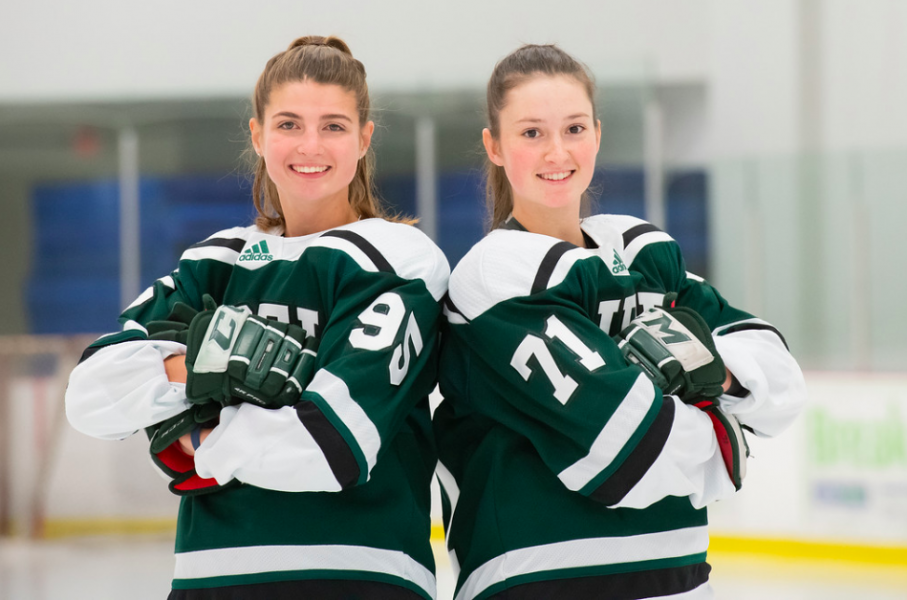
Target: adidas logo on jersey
[[259, 251], [617, 265]]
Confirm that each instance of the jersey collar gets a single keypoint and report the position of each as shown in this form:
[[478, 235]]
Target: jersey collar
[[514, 225]]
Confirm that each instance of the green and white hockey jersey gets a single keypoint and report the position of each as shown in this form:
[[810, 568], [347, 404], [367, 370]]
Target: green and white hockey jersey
[[565, 473], [337, 486]]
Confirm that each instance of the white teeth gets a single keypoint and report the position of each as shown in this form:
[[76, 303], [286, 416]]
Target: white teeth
[[310, 169], [556, 176]]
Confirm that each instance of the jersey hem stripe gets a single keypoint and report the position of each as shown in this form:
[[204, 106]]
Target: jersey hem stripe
[[350, 584], [255, 564], [677, 547], [647, 579]]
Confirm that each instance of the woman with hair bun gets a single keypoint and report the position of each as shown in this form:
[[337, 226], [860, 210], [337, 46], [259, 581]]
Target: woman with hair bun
[[594, 390], [282, 371]]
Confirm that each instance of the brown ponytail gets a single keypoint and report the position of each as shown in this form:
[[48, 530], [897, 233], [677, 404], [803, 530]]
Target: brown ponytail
[[325, 60], [514, 69]]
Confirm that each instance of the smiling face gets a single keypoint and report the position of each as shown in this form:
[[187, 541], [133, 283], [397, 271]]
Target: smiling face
[[547, 143], [311, 141]]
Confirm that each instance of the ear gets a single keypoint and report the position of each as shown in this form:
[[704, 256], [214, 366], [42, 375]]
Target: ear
[[598, 135], [365, 137], [255, 129], [491, 148]]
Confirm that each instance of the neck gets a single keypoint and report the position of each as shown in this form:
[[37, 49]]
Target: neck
[[561, 223], [317, 216]]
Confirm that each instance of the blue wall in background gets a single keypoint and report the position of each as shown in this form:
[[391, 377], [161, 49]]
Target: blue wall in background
[[74, 281]]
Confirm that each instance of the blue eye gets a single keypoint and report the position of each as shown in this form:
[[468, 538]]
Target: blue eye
[[336, 127], [286, 125]]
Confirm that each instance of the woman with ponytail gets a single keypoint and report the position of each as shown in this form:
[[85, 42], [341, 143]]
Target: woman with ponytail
[[594, 391], [282, 371]]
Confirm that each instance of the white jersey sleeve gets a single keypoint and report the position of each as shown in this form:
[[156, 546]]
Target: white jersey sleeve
[[123, 388]]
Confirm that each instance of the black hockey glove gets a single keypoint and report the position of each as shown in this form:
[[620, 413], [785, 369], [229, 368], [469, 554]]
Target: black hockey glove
[[674, 347], [175, 327], [169, 457], [233, 356]]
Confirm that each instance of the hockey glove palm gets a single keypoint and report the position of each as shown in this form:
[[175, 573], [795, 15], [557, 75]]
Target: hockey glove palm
[[169, 457], [731, 441]]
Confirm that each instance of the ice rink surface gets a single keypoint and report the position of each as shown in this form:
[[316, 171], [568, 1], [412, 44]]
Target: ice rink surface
[[140, 569]]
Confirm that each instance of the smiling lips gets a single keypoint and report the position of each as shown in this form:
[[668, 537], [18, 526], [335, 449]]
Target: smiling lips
[[555, 176], [310, 170]]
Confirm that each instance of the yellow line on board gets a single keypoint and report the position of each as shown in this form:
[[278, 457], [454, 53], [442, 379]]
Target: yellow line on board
[[795, 549], [718, 544], [61, 528]]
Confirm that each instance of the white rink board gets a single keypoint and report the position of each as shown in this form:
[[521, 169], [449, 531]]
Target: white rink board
[[840, 472]]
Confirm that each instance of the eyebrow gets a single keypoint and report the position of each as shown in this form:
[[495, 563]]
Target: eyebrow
[[331, 117], [568, 118]]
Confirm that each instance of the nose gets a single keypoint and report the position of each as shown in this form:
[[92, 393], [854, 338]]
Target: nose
[[309, 142], [556, 151]]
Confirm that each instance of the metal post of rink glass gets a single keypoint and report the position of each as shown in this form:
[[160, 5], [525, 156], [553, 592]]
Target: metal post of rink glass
[[653, 148], [130, 257], [426, 177]]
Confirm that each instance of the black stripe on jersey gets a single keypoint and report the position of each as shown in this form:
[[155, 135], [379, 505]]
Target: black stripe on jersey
[[338, 454], [235, 244], [363, 244], [634, 232], [451, 307], [755, 327], [548, 264], [654, 583], [635, 466], [325, 589]]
